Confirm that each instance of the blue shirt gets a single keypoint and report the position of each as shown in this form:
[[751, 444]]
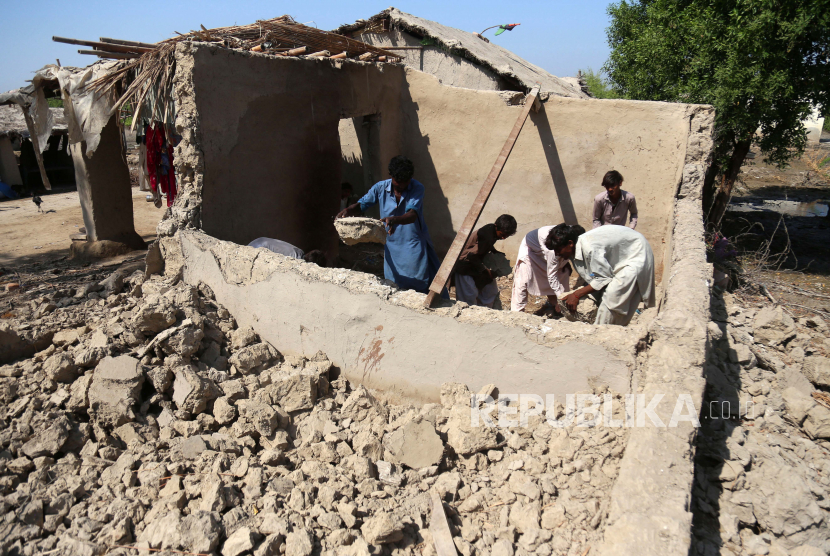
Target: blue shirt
[[409, 258]]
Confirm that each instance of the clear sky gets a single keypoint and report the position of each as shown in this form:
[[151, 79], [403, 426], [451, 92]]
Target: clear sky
[[560, 36]]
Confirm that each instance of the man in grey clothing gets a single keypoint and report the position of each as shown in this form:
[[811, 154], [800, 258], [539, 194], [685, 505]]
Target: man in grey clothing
[[613, 206]]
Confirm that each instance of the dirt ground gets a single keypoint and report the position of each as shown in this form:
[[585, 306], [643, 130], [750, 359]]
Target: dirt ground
[[28, 236], [786, 210]]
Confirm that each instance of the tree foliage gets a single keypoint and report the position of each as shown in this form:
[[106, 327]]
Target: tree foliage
[[598, 85], [760, 63]]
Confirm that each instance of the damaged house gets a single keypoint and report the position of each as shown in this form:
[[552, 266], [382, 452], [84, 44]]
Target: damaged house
[[274, 116]]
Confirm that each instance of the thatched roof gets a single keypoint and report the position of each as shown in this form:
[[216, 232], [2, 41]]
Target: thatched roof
[[489, 55]]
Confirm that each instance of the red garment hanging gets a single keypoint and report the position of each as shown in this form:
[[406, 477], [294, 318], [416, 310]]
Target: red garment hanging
[[160, 162]]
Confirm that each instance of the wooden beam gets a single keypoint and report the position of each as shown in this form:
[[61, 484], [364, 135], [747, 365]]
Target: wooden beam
[[340, 56], [128, 43], [470, 221], [439, 527], [113, 55], [104, 45]]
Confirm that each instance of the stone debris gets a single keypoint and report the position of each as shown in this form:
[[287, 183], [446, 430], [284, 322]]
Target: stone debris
[[147, 417], [354, 230], [762, 471]]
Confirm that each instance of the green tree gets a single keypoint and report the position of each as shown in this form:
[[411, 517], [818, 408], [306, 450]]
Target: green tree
[[598, 85], [760, 63]]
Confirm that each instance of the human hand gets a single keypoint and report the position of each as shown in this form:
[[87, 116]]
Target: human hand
[[571, 301], [342, 214], [390, 226]]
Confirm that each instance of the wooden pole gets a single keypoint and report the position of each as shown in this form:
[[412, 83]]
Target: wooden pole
[[30, 125], [320, 54], [340, 56], [478, 205], [104, 45], [128, 43], [114, 55], [297, 51]]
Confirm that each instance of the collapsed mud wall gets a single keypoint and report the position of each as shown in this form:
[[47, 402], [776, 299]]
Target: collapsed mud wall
[[383, 338]]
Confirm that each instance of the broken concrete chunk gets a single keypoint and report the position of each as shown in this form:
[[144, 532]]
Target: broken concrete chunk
[[361, 405], [184, 342], [79, 393], [254, 357], [382, 529], [817, 424], [466, 439], [817, 370], [299, 543], [416, 445], [243, 337], [772, 326], [293, 391], [69, 336], [114, 379], [798, 404], [242, 540], [354, 230], [455, 394], [264, 418], [223, 411], [61, 367], [50, 440], [200, 532], [192, 392], [161, 378], [157, 314]]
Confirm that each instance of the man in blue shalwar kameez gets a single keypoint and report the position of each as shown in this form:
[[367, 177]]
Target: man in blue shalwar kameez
[[409, 257]]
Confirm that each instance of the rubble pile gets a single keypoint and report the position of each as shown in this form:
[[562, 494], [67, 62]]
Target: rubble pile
[[152, 421], [762, 475]]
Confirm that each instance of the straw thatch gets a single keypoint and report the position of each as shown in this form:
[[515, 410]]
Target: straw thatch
[[146, 82]]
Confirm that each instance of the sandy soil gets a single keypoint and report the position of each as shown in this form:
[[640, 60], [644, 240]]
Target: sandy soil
[[27, 236]]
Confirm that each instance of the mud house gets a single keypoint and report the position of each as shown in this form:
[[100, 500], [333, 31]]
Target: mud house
[[23, 169], [274, 116]]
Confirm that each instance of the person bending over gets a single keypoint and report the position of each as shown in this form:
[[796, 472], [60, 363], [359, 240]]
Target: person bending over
[[539, 271], [618, 265], [284, 248], [475, 283]]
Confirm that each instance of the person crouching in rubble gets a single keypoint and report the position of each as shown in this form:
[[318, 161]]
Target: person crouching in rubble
[[284, 248], [618, 265], [475, 283], [409, 258], [538, 270]]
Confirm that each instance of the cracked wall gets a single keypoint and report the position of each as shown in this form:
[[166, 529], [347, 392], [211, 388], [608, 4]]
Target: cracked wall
[[384, 338]]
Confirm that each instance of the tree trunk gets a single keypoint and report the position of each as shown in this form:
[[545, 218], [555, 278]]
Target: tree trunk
[[724, 193]]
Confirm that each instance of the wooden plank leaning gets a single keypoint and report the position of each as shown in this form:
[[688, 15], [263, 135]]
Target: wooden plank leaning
[[439, 528], [478, 205]]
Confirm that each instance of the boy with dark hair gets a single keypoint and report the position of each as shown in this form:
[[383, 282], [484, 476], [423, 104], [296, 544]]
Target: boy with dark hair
[[475, 284], [613, 206], [409, 258], [346, 195]]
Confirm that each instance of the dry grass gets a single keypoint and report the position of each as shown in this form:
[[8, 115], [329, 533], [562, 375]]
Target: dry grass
[[147, 81]]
